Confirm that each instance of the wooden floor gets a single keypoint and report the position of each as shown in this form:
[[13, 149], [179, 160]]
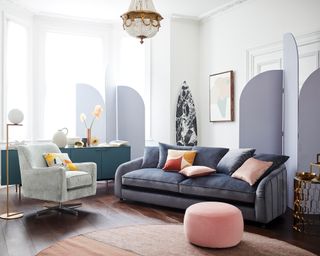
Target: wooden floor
[[31, 234]]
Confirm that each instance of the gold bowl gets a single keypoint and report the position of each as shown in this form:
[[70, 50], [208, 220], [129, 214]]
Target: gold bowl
[[305, 175]]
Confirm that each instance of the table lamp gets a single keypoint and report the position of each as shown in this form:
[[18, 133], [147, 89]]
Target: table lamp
[[15, 117]]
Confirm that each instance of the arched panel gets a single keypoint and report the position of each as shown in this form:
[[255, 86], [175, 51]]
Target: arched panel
[[131, 119], [261, 113], [291, 92], [87, 97], [309, 121]]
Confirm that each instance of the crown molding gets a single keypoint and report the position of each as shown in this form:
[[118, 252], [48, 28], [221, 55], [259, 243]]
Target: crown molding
[[220, 9], [201, 17]]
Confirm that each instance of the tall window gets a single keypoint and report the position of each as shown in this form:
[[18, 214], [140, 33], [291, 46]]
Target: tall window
[[69, 60], [16, 75]]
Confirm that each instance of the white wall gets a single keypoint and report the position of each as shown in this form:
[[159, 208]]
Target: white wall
[[160, 84], [224, 40], [184, 63], [174, 59]]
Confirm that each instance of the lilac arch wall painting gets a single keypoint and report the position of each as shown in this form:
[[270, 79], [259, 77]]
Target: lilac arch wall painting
[[221, 97]]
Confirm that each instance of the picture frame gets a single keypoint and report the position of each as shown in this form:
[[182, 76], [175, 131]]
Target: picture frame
[[221, 97]]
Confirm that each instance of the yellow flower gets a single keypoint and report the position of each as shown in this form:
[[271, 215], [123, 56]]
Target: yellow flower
[[97, 111], [94, 141]]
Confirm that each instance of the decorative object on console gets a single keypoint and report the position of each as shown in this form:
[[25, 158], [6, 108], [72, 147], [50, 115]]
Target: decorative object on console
[[94, 141], [221, 97], [78, 144], [179, 159], [141, 20], [251, 170], [15, 116], [186, 120], [96, 115], [72, 141], [197, 171], [60, 137]]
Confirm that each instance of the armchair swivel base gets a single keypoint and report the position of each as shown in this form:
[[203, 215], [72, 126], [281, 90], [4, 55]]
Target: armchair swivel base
[[60, 208]]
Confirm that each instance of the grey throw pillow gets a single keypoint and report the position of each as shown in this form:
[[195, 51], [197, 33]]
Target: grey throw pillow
[[209, 156], [163, 152], [233, 160], [150, 157]]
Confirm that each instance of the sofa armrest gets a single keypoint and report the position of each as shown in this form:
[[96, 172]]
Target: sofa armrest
[[271, 196], [122, 170]]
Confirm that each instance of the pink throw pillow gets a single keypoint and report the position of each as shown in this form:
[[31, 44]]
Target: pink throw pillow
[[251, 170], [196, 171]]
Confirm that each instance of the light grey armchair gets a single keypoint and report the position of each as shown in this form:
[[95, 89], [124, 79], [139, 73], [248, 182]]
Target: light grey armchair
[[54, 184]]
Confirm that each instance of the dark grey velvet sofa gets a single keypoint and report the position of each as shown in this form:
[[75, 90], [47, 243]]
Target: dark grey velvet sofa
[[262, 202]]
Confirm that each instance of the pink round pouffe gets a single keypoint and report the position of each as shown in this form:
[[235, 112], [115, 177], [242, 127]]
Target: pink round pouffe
[[213, 225]]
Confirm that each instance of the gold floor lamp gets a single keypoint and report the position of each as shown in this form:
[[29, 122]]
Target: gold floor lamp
[[15, 116]]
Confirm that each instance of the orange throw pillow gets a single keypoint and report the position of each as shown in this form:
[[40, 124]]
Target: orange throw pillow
[[251, 170], [179, 159]]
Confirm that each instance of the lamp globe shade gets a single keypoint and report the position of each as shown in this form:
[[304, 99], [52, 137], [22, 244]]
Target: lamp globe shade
[[15, 116]]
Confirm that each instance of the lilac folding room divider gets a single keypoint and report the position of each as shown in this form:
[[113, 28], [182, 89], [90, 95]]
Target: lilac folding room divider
[[290, 108], [309, 121], [261, 113], [131, 119], [269, 111], [87, 97]]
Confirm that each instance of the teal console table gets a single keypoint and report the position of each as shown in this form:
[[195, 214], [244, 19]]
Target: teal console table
[[107, 159]]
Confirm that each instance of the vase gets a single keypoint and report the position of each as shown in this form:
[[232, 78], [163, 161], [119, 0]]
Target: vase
[[88, 137]]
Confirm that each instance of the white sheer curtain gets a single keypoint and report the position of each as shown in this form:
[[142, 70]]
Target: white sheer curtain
[[17, 89], [69, 59]]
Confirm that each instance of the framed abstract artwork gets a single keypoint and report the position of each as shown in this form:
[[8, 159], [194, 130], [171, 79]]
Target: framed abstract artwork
[[221, 101]]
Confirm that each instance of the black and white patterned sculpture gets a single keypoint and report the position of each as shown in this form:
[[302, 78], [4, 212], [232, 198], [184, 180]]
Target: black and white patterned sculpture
[[186, 120]]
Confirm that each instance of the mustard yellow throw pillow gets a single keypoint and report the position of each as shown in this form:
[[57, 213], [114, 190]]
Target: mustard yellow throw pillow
[[59, 159], [179, 159]]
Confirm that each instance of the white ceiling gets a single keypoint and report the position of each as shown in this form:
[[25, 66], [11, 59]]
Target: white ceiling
[[112, 9]]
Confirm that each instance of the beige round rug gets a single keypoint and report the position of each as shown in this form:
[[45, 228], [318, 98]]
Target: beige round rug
[[155, 240]]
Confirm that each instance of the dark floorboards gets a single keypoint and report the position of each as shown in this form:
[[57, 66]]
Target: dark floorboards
[[30, 234]]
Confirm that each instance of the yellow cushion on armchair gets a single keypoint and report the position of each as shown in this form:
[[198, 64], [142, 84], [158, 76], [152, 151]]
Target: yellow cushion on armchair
[[59, 159]]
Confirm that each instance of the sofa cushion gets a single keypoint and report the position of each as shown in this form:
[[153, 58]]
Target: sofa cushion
[[197, 171], [153, 178], [219, 185], [277, 161], [210, 157], [251, 170], [163, 152], [233, 160], [179, 159], [78, 179], [150, 157]]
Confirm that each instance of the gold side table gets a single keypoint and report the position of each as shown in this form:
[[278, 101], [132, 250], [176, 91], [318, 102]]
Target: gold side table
[[306, 211]]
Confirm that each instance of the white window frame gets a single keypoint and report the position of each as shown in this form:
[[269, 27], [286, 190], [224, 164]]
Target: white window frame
[[44, 25], [27, 24]]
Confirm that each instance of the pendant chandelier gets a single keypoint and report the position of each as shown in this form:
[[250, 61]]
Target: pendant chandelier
[[141, 20]]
